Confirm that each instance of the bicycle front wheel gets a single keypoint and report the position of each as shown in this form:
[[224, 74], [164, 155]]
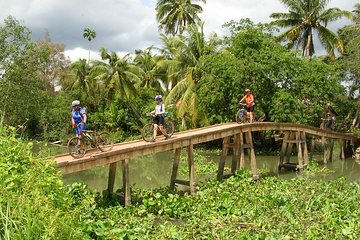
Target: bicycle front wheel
[[104, 141], [147, 132], [76, 147], [240, 116], [169, 128]]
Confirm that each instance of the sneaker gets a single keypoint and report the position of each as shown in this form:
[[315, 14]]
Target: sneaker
[[167, 137], [152, 140]]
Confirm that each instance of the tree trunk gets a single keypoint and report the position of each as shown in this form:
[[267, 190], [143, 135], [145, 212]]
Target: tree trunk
[[308, 44]]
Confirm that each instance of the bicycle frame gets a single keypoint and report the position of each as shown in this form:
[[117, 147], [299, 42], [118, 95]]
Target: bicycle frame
[[243, 112], [85, 134]]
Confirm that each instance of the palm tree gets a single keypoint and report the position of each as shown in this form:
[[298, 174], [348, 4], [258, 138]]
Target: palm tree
[[81, 80], [117, 76], [305, 17], [184, 63], [354, 30], [89, 34], [174, 15], [150, 72]]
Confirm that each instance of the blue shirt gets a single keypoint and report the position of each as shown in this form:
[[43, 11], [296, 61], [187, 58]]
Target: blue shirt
[[78, 115]]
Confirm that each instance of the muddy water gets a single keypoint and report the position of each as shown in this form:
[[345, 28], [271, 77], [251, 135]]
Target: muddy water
[[154, 171]]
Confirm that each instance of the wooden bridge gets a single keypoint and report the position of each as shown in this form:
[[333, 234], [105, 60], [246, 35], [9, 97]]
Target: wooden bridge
[[236, 136]]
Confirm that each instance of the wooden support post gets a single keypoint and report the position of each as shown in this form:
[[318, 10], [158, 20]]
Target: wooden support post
[[306, 155], [111, 179], [291, 138], [249, 141], [312, 147], [283, 149], [175, 167], [300, 152], [126, 183], [324, 147], [224, 153], [190, 150], [242, 155], [289, 147], [342, 150], [331, 149], [236, 154]]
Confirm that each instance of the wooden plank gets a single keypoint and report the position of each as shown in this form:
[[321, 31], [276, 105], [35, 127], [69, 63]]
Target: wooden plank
[[182, 182]]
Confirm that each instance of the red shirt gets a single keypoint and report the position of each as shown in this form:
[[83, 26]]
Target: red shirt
[[249, 99]]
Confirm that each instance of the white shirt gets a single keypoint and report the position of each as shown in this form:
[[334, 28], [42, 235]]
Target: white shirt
[[158, 109]]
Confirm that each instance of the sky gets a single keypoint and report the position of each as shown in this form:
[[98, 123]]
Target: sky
[[123, 26]]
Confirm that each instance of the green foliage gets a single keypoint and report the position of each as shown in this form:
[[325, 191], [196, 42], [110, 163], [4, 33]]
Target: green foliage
[[33, 201], [238, 208], [221, 87]]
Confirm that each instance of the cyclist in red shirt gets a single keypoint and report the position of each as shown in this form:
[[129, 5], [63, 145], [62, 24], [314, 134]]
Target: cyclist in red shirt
[[250, 104]]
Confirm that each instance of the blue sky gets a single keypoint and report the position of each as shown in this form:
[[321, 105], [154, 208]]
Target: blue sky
[[125, 25]]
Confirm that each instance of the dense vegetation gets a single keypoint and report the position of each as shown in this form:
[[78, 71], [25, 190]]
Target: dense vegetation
[[34, 204], [202, 80]]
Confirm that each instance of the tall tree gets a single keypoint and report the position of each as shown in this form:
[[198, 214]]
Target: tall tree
[[350, 63], [89, 34], [118, 76], [305, 17], [185, 65], [22, 94], [150, 72], [174, 15], [53, 65]]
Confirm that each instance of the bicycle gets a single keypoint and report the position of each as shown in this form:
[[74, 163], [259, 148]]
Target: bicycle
[[147, 132], [328, 123], [241, 115], [101, 140]]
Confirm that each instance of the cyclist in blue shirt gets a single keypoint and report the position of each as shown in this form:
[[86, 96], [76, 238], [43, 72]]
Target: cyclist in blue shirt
[[78, 116]]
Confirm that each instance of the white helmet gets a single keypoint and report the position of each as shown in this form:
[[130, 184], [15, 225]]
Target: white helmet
[[75, 103], [158, 97]]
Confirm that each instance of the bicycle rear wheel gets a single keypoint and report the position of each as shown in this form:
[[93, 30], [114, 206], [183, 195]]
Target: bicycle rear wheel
[[147, 132], [76, 147], [241, 116], [169, 128], [104, 141]]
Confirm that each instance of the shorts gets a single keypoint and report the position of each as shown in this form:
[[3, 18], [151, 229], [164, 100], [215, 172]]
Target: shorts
[[82, 127], [250, 109], [159, 120]]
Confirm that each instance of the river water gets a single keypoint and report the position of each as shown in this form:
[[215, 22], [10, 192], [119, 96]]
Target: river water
[[154, 171]]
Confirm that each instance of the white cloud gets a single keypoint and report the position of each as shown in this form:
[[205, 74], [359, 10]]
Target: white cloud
[[125, 25]]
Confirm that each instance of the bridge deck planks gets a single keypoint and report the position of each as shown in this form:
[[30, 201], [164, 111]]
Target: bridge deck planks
[[127, 150]]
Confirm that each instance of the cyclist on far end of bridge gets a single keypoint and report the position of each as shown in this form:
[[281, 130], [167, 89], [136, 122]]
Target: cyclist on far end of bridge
[[78, 117], [159, 119], [250, 104]]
